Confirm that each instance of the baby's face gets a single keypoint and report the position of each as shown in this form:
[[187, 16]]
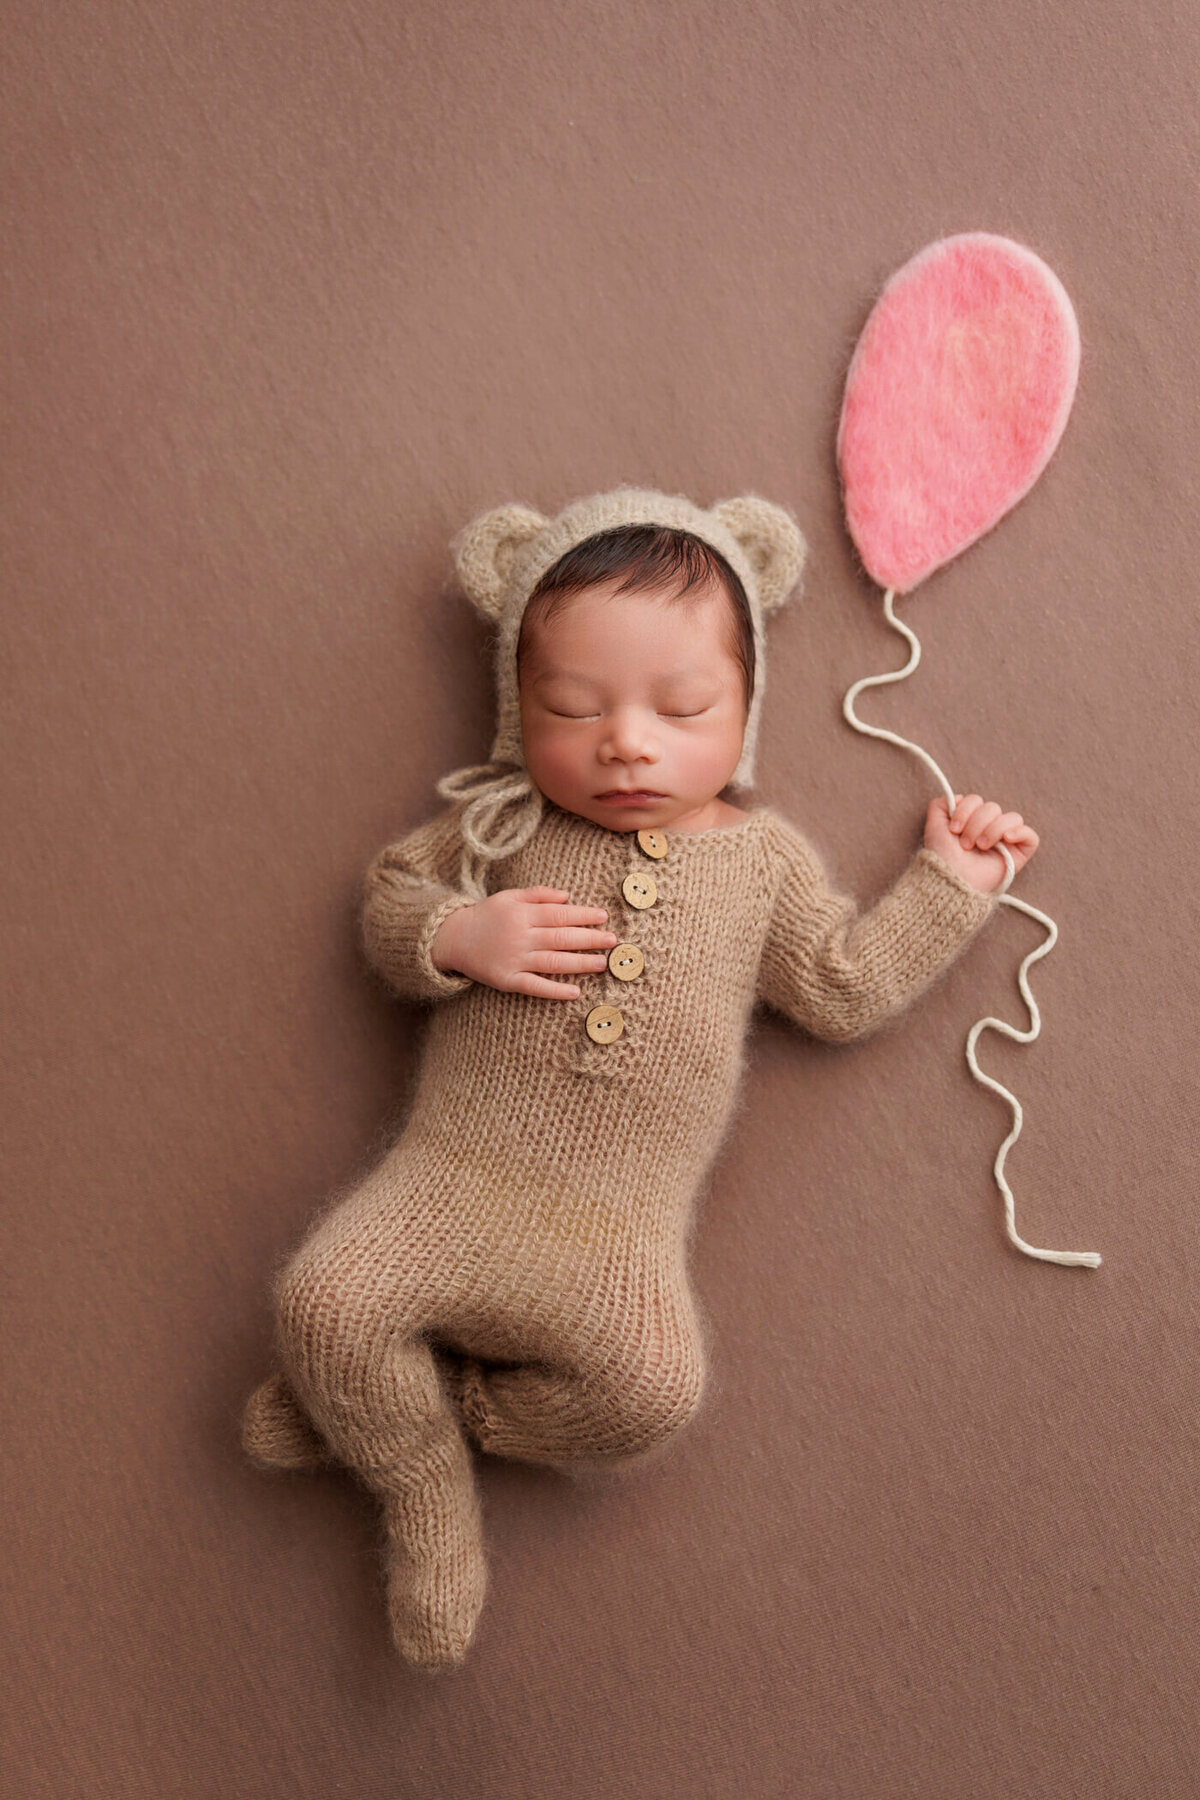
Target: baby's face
[[633, 696]]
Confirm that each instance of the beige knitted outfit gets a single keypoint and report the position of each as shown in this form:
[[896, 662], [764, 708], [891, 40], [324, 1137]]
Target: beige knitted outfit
[[514, 1270]]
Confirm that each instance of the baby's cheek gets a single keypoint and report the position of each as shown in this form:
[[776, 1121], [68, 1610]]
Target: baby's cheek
[[712, 760], [553, 757]]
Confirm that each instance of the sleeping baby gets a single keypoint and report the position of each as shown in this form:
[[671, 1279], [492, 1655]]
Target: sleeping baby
[[595, 920]]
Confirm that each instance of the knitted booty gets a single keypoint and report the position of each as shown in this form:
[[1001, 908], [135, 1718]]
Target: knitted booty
[[276, 1431], [437, 1575]]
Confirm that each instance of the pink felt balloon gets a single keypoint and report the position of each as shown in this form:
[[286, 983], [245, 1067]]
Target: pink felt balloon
[[956, 396]]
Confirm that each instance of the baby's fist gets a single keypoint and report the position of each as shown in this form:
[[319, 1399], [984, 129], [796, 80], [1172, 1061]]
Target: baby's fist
[[966, 839]]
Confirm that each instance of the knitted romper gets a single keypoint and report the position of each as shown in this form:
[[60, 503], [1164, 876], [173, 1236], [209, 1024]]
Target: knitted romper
[[533, 1216]]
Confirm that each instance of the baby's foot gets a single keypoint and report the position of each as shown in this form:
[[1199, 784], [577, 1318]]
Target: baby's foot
[[437, 1580], [276, 1431]]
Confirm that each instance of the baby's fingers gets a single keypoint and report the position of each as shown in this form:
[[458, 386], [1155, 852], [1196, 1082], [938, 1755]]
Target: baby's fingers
[[976, 833], [1003, 827], [542, 988], [567, 962], [572, 937], [551, 917], [989, 825], [964, 806], [1010, 827]]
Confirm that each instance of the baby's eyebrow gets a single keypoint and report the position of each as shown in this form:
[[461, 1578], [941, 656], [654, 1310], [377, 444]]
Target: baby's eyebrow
[[546, 675]]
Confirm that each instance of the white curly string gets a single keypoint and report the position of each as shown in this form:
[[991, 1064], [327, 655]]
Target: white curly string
[[504, 810], [1087, 1259]]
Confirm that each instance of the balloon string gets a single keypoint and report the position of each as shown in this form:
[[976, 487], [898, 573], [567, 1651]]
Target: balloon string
[[1087, 1259]]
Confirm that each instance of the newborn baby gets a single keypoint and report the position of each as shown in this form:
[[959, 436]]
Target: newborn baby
[[513, 1273]]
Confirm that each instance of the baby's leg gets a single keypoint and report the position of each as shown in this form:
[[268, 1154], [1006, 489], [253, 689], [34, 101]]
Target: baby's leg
[[352, 1306], [623, 1387]]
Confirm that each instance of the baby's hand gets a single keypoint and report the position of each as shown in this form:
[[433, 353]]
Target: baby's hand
[[966, 839], [513, 938]]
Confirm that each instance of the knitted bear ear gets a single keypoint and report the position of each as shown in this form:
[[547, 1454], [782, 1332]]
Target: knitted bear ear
[[771, 542], [485, 549]]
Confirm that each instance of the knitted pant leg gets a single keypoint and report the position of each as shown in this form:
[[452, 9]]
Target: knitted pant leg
[[620, 1399], [368, 1379]]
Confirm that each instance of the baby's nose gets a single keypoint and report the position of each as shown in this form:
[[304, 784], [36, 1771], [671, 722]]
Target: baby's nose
[[632, 743]]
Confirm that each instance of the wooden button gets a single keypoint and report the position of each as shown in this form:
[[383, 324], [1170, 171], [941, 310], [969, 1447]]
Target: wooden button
[[604, 1024], [654, 843], [640, 890], [626, 962]]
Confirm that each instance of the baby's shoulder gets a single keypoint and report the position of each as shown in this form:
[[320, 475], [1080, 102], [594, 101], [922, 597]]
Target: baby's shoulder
[[790, 849], [779, 828]]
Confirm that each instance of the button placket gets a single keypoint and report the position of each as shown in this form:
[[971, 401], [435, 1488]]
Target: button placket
[[626, 961]]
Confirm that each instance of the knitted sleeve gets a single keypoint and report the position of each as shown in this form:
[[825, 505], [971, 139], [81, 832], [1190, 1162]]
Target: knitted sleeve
[[410, 887], [842, 973]]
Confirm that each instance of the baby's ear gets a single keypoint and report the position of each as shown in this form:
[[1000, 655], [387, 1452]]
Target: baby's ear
[[771, 542], [484, 551]]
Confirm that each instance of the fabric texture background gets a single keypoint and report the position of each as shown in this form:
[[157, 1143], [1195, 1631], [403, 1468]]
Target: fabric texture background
[[291, 292]]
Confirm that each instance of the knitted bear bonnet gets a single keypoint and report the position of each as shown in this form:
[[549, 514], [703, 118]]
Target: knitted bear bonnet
[[501, 557]]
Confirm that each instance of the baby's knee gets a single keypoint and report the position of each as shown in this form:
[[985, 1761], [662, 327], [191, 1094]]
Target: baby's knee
[[325, 1312]]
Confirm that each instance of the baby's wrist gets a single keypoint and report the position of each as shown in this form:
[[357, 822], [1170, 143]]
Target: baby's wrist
[[449, 942], [982, 877]]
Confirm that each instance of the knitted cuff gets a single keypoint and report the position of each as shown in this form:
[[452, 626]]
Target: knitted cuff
[[439, 983], [399, 924], [961, 906]]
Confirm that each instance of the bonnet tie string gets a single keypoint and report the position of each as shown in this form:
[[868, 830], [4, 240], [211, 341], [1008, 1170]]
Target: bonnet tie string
[[503, 811]]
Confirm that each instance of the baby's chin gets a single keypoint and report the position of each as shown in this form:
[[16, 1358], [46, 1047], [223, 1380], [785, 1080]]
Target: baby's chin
[[632, 814]]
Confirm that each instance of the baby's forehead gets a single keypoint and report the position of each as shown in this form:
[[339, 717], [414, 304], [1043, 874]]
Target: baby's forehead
[[698, 634], [608, 607]]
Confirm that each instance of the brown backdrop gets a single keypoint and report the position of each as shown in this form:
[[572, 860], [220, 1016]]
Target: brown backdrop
[[291, 290]]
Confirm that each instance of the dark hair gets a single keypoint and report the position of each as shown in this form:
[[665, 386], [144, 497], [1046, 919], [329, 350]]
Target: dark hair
[[655, 557]]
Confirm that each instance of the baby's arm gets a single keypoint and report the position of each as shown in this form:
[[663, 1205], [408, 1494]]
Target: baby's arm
[[842, 973], [429, 940], [411, 888]]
